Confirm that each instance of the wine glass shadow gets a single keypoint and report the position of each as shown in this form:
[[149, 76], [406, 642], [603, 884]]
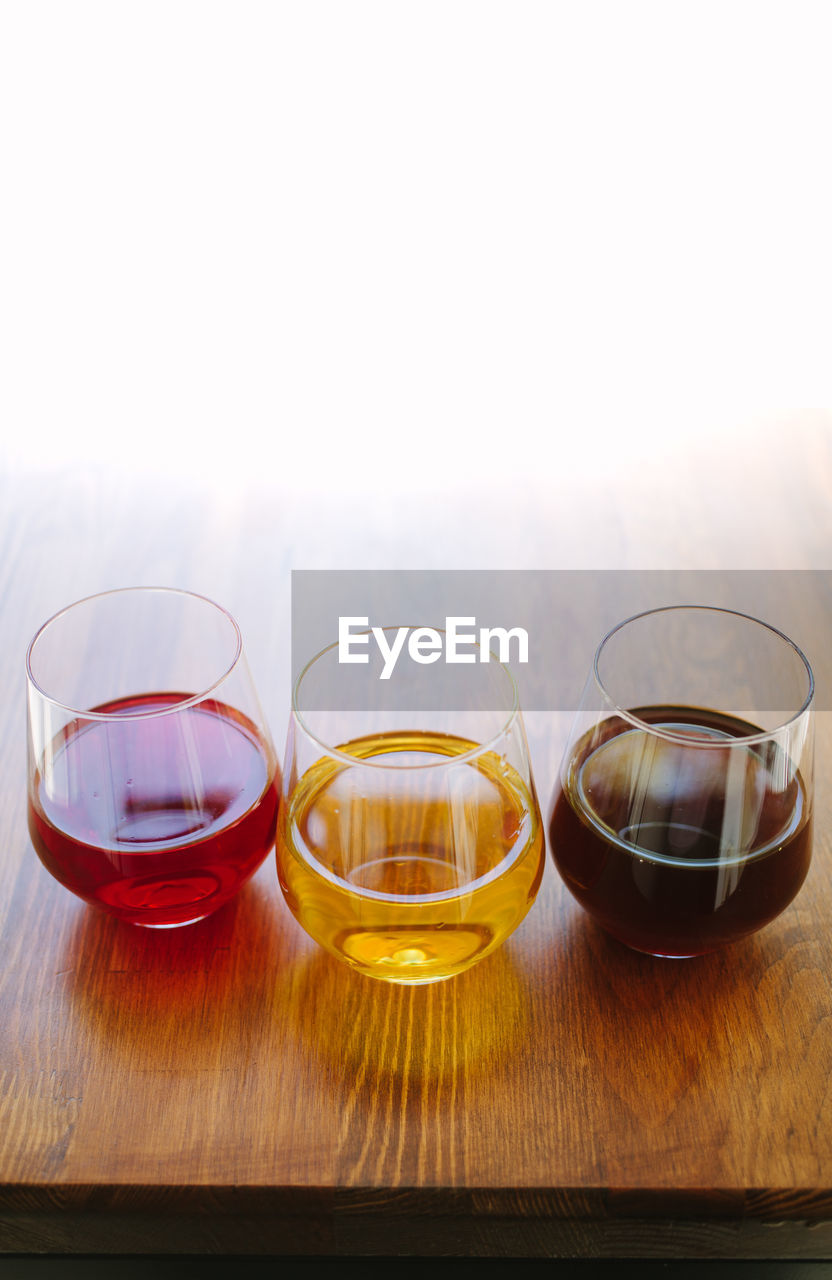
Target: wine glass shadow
[[655, 1030], [156, 999], [356, 1026]]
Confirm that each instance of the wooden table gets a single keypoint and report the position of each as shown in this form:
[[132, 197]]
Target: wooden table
[[230, 1088]]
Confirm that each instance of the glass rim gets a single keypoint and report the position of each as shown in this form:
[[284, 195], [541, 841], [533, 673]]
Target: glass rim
[[110, 716], [338, 754], [750, 739]]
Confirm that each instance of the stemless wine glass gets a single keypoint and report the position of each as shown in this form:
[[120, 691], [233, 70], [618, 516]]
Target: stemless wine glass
[[682, 819], [153, 783], [410, 842]]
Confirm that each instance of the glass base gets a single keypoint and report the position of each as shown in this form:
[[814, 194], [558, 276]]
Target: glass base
[[179, 924], [661, 955], [657, 955], [665, 955]]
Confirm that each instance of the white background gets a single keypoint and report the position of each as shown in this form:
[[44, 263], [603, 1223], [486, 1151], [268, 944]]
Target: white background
[[352, 246]]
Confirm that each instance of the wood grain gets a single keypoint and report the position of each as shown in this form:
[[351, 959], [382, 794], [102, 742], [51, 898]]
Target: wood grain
[[231, 1088]]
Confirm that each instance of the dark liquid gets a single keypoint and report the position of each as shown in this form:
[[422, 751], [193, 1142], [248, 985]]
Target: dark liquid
[[674, 847], [157, 819]]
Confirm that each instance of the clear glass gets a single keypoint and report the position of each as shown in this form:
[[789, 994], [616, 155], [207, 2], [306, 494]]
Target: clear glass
[[152, 779], [410, 842], [682, 817]]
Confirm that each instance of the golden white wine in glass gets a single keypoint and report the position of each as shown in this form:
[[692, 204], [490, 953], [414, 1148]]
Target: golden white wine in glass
[[410, 842]]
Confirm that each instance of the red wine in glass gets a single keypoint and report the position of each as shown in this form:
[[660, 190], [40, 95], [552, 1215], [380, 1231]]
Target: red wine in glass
[[679, 846], [156, 814]]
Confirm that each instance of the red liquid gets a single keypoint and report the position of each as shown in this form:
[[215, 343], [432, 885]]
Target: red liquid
[[673, 852], [157, 819]]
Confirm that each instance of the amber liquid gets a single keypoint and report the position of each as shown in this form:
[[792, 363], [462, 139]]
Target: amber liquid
[[677, 847], [410, 874]]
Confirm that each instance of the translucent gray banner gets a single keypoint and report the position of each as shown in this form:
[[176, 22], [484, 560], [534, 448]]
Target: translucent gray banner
[[564, 614]]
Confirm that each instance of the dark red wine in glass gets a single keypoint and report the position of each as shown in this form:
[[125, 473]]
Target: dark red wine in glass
[[682, 817], [638, 831], [157, 800]]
